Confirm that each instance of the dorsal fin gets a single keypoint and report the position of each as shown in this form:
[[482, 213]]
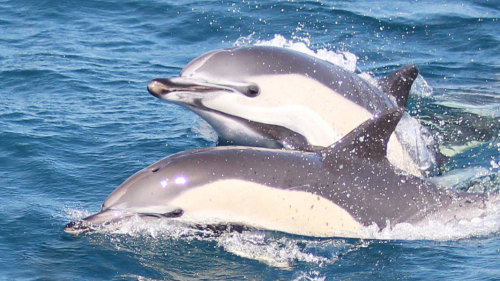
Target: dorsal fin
[[398, 83], [368, 140]]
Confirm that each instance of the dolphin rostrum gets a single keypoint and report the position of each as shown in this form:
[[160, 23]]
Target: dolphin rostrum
[[279, 98], [338, 192]]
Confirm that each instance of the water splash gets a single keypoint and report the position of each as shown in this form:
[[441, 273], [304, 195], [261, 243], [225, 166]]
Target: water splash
[[421, 88], [312, 275], [435, 230], [73, 214], [279, 251]]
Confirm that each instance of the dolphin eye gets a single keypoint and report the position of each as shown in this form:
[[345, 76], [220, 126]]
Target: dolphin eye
[[252, 91], [154, 170]]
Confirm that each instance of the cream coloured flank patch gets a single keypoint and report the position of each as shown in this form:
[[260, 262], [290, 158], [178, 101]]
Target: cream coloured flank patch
[[252, 204]]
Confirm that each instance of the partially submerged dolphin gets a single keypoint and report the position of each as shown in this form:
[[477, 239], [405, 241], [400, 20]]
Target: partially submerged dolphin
[[279, 98], [338, 192]]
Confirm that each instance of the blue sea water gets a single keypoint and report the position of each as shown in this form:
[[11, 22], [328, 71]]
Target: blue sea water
[[76, 120]]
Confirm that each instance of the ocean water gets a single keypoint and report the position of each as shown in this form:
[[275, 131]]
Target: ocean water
[[76, 120]]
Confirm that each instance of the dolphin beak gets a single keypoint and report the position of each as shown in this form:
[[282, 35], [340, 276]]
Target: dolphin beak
[[95, 222], [78, 227], [109, 218], [157, 86], [161, 87]]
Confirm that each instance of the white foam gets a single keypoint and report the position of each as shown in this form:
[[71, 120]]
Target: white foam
[[263, 246], [312, 275], [157, 229], [73, 214], [256, 245], [278, 252]]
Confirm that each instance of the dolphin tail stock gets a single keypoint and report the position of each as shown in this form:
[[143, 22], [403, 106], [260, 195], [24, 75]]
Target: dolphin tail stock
[[368, 140], [398, 83]]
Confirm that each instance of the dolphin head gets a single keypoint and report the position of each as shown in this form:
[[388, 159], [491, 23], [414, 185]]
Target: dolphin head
[[257, 95], [146, 194], [206, 77]]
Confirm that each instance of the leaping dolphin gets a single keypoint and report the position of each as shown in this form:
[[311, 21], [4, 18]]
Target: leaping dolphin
[[336, 193], [279, 98]]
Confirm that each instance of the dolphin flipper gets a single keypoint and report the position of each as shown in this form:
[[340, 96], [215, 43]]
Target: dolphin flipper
[[284, 136], [398, 83]]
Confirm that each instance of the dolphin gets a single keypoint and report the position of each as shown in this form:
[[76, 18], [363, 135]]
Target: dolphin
[[337, 192], [279, 98]]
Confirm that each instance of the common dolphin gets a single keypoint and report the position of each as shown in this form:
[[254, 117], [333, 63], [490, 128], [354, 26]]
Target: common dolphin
[[338, 192], [279, 98]]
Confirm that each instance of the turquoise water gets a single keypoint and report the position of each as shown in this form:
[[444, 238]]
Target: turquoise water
[[76, 120]]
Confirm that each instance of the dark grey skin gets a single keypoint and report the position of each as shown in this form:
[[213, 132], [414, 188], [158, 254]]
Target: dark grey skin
[[353, 174], [234, 72]]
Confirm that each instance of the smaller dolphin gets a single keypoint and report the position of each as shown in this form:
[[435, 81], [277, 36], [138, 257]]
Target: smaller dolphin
[[279, 98], [338, 192]]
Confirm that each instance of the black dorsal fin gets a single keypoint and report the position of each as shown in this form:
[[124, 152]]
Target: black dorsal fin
[[368, 140], [398, 83]]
